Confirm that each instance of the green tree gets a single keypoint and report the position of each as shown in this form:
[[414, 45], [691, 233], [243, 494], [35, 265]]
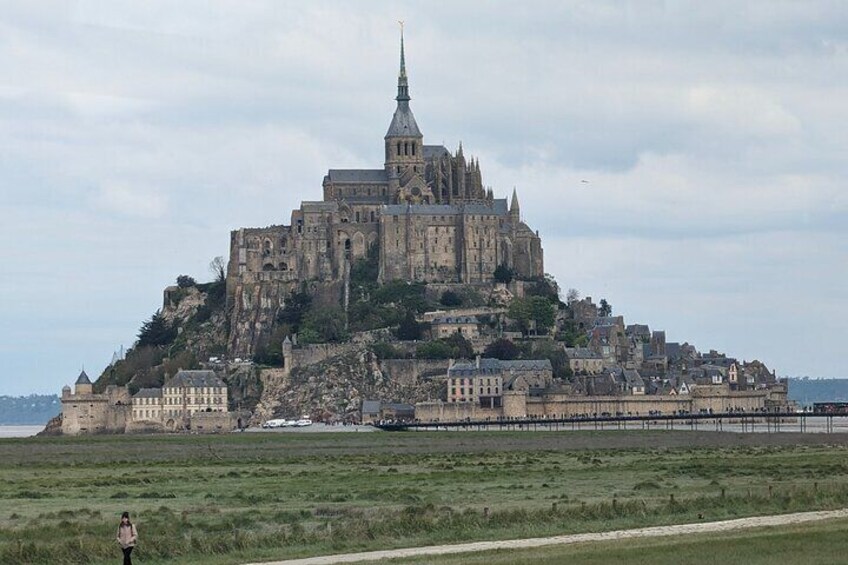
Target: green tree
[[503, 274], [502, 349], [450, 299], [605, 309], [556, 355], [185, 281], [322, 325], [409, 328], [545, 287], [434, 350], [530, 311], [156, 331], [295, 309], [461, 348]]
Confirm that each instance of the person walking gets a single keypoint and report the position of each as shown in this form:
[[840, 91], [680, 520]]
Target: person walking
[[127, 537]]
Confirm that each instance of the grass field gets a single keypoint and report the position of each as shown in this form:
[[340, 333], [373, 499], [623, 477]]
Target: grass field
[[240, 497]]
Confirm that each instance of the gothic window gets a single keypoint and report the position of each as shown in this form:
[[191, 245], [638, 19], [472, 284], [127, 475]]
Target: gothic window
[[406, 148], [398, 151], [415, 168], [372, 215], [357, 216], [347, 245], [413, 148]]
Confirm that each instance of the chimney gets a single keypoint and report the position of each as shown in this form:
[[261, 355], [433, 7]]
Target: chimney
[[478, 361], [450, 363]]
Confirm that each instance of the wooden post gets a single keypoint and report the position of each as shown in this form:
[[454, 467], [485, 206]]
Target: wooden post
[[485, 512]]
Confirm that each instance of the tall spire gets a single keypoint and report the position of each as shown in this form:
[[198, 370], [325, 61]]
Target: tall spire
[[403, 83], [403, 122]]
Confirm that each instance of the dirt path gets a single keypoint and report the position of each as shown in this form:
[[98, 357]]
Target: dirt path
[[656, 531]]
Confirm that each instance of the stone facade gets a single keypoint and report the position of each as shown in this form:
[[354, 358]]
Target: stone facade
[[191, 392], [426, 214], [550, 405], [87, 412]]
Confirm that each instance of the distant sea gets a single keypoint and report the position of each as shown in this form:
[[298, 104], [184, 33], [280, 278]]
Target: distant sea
[[19, 431]]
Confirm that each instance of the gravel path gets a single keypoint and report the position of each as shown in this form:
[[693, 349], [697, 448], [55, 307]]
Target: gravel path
[[656, 531]]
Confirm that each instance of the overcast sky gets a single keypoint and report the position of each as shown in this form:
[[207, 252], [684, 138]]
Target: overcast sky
[[135, 135]]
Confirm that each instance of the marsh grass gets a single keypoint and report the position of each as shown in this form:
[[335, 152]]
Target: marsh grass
[[279, 496]]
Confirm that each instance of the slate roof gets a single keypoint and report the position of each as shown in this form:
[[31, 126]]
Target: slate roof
[[319, 205], [435, 151], [672, 350], [193, 379], [606, 321], [83, 379], [497, 208], [371, 406], [148, 393], [358, 176], [633, 379], [527, 365], [581, 353], [403, 123], [489, 366], [456, 320]]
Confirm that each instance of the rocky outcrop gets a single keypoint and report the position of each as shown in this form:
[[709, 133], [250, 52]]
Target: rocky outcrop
[[53, 427], [334, 389]]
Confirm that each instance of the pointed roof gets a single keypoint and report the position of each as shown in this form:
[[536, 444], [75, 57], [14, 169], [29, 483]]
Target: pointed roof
[[513, 207], [83, 379], [403, 122]]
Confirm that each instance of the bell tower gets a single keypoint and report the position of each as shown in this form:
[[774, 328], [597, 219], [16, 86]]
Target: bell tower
[[404, 142]]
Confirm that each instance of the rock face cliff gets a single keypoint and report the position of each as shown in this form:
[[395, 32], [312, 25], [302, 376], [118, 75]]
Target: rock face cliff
[[334, 389]]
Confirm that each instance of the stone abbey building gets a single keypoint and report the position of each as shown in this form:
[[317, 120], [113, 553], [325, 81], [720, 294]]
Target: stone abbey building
[[426, 213]]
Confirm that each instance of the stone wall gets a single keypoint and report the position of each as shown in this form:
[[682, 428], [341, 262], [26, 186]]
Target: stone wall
[[519, 405], [411, 371], [108, 412], [212, 422]]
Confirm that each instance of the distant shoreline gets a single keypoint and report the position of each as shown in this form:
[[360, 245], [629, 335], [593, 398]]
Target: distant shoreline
[[19, 431]]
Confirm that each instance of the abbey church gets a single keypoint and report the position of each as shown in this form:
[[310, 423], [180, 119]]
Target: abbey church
[[426, 213]]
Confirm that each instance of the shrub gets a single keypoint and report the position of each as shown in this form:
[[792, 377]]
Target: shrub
[[502, 349], [450, 299], [185, 281]]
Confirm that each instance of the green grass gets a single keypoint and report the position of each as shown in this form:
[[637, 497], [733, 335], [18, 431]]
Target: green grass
[[240, 497], [812, 544]]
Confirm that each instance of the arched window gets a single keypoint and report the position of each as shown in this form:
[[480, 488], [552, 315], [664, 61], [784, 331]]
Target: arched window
[[398, 152], [406, 148], [347, 245], [413, 148], [372, 216]]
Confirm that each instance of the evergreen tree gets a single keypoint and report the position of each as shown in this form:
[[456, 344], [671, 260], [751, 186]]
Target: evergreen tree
[[156, 331]]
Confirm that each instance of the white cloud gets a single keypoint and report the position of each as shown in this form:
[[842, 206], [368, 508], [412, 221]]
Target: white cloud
[[134, 136]]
